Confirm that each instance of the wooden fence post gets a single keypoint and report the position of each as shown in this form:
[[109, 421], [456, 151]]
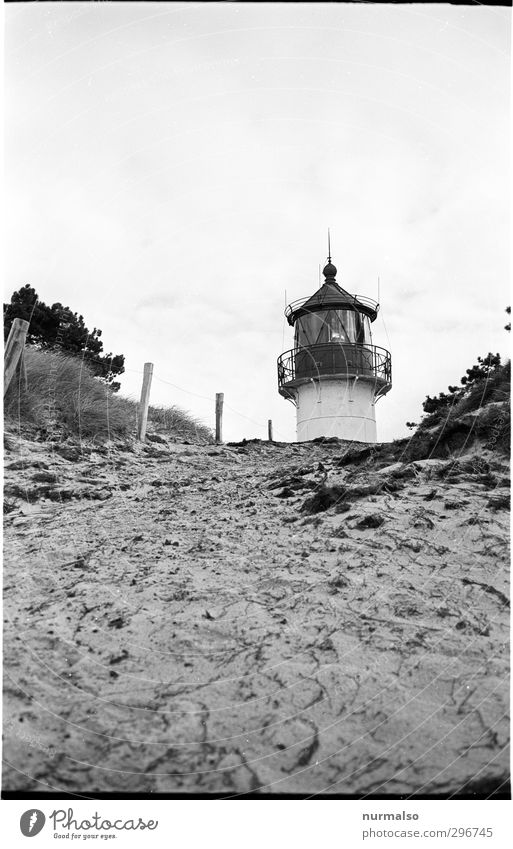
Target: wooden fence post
[[219, 416], [145, 400], [24, 370], [14, 349], [270, 430]]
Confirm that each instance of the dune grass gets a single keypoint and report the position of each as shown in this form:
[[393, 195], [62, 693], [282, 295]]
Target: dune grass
[[62, 397]]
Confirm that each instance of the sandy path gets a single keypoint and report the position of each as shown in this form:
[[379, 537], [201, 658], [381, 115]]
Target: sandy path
[[175, 625]]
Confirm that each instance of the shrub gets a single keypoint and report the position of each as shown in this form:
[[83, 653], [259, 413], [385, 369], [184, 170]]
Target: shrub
[[479, 411], [487, 381]]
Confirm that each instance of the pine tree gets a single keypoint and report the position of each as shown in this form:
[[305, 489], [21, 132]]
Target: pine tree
[[59, 328]]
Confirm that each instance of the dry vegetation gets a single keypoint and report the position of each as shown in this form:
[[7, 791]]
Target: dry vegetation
[[62, 398]]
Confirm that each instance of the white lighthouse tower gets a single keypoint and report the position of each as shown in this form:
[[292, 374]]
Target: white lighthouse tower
[[334, 375]]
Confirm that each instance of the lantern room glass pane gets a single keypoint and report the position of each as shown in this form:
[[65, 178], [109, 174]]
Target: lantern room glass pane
[[332, 326], [310, 329], [348, 319], [367, 330], [338, 328]]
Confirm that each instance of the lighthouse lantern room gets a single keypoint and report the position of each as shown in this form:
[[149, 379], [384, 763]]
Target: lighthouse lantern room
[[334, 374]]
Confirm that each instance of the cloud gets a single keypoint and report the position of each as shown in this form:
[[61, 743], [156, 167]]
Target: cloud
[[173, 170]]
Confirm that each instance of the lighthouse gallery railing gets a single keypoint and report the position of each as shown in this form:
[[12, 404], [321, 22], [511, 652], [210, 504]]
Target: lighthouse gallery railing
[[313, 361]]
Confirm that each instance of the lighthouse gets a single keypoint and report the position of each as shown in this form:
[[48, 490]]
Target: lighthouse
[[334, 375]]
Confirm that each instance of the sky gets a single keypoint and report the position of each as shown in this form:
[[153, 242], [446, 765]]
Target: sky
[[172, 169]]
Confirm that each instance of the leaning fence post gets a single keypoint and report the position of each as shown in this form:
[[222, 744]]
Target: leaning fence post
[[145, 400], [219, 416], [270, 430], [14, 349]]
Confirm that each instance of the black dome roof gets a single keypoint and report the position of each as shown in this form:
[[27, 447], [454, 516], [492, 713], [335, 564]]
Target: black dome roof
[[331, 296]]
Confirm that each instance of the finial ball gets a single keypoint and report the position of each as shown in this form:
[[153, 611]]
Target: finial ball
[[329, 270]]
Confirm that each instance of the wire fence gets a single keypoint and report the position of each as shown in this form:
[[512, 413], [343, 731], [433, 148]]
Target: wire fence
[[210, 398]]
